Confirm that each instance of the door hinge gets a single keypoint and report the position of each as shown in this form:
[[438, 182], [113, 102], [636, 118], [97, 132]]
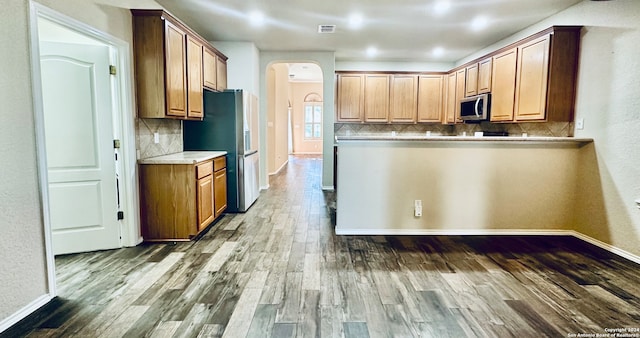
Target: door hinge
[[116, 144], [120, 215], [112, 69]]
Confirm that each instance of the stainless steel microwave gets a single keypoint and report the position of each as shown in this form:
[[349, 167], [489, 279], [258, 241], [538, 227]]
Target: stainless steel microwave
[[475, 108]]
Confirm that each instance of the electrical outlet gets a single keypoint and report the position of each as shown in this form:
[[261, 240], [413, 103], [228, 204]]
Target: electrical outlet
[[417, 208], [156, 138], [580, 123]]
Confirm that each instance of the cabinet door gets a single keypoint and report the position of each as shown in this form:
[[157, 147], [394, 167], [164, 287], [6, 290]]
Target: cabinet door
[[503, 86], [350, 98], [450, 101], [176, 69], [403, 102], [376, 98], [221, 74], [194, 72], [531, 80], [210, 63], [430, 98], [460, 90], [471, 83], [220, 188], [484, 76], [205, 201]]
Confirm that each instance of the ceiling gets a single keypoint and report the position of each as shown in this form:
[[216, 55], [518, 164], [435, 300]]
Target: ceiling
[[407, 30]]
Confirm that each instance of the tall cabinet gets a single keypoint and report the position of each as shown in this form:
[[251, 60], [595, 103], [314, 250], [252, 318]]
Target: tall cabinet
[[173, 65]]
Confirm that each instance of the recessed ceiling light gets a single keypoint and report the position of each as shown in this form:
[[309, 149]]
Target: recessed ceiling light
[[256, 18], [441, 7], [479, 23], [437, 52], [372, 51], [355, 21]]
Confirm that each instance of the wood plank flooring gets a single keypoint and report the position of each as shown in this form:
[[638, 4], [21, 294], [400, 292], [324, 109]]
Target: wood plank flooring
[[279, 271]]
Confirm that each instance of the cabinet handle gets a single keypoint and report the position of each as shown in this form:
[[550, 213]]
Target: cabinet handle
[[477, 102]]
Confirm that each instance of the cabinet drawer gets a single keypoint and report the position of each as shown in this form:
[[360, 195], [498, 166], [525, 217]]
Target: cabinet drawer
[[219, 163], [204, 169]]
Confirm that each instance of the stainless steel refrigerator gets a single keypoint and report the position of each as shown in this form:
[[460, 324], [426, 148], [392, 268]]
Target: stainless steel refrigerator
[[230, 123]]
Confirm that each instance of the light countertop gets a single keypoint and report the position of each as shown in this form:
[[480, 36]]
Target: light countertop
[[479, 139], [185, 157]]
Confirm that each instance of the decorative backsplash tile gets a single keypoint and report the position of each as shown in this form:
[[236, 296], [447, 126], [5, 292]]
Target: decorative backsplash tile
[[556, 129], [169, 132]]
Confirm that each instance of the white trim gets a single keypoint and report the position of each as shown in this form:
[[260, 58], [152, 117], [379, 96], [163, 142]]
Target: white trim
[[279, 169], [328, 188], [607, 247], [306, 153], [489, 232], [41, 152], [19, 315], [265, 187]]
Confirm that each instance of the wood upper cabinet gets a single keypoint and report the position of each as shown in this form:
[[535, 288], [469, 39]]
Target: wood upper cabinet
[[484, 75], [350, 98], [170, 66], [471, 81], [221, 74], [178, 201], [503, 85], [430, 98], [460, 91], [376, 98], [209, 69], [450, 99], [194, 74], [403, 100], [531, 79], [176, 69]]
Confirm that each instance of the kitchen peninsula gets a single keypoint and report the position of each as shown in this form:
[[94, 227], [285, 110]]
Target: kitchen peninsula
[[466, 185]]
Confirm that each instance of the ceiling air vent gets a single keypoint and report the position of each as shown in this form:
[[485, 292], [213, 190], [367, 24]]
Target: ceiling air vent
[[326, 29]]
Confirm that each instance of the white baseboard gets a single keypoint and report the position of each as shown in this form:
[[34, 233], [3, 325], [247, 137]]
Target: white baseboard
[[328, 188], [24, 312], [307, 153], [265, 187], [487, 232], [607, 247], [281, 167]]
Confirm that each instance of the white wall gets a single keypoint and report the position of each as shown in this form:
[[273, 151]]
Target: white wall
[[326, 61], [607, 99], [242, 66]]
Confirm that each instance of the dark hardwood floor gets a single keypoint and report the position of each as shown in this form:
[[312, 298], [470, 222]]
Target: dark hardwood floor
[[279, 271]]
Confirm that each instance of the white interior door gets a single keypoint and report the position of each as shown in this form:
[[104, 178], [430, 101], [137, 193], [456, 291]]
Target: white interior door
[[81, 164]]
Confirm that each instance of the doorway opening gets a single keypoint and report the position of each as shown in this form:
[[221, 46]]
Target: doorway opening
[[85, 136], [294, 113]]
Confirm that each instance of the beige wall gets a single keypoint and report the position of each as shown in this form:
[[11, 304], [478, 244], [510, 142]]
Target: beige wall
[[607, 99], [277, 116], [23, 264], [464, 187], [298, 92]]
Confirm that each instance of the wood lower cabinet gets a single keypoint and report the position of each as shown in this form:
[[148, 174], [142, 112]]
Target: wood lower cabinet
[[430, 98], [178, 201]]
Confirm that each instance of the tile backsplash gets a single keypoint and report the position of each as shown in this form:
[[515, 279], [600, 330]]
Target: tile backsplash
[[169, 132], [555, 129]]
